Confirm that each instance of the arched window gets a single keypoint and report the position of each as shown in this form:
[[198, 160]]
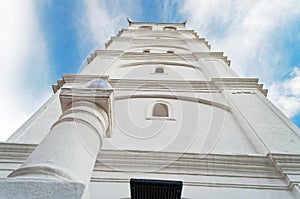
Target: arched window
[[146, 51], [146, 27], [160, 110], [169, 28], [159, 70]]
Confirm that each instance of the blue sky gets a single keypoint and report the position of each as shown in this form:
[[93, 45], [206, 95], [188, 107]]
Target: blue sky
[[40, 40]]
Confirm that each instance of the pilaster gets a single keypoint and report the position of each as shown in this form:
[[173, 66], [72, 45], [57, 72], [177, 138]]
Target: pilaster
[[266, 127]]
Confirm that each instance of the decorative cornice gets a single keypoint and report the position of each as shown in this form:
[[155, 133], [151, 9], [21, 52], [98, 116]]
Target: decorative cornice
[[157, 56], [77, 80], [239, 83], [209, 170], [70, 78], [155, 23], [119, 38], [157, 41], [104, 53], [215, 85], [195, 56], [289, 166], [244, 185], [56, 87], [212, 55]]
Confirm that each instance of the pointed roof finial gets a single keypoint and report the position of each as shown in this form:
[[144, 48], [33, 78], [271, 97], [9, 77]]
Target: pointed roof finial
[[129, 20]]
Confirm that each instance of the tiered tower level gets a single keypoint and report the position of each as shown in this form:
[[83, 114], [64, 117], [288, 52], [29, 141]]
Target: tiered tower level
[[157, 103]]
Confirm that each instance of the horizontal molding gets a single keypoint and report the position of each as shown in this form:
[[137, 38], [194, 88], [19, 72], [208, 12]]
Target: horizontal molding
[[168, 85], [203, 184], [149, 41], [224, 170], [82, 79], [239, 83], [104, 53], [168, 34], [189, 161], [157, 56], [289, 166], [175, 97], [212, 55], [215, 85], [76, 80]]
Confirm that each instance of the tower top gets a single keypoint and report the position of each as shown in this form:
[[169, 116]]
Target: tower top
[[140, 24]]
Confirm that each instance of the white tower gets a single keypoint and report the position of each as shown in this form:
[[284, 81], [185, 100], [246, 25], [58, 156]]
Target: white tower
[[155, 113]]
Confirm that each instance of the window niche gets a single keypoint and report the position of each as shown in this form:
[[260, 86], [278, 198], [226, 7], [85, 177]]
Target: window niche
[[159, 70], [160, 110], [145, 27], [170, 51], [171, 28]]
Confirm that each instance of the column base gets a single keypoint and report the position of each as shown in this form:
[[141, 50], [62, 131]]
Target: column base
[[19, 188]]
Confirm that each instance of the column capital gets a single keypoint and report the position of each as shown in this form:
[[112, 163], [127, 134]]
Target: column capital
[[102, 97]]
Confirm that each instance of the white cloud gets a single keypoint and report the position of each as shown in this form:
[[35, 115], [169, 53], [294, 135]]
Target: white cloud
[[168, 10], [23, 51], [286, 94], [294, 83], [102, 19], [253, 35], [23, 64]]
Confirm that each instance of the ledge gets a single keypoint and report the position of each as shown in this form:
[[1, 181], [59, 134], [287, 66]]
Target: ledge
[[215, 85], [226, 170]]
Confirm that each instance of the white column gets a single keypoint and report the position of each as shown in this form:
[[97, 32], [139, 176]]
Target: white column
[[70, 149], [62, 164]]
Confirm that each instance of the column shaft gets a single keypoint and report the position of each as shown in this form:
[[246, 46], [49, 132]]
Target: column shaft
[[70, 149]]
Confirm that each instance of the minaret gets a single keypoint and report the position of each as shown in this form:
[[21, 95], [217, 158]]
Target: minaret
[[156, 112]]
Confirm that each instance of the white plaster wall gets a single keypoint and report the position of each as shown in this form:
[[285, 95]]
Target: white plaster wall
[[159, 33], [192, 192], [197, 46], [193, 127], [127, 33], [188, 34], [109, 190], [119, 181], [98, 65], [119, 45], [216, 68], [147, 72], [129, 43], [168, 37], [118, 68], [159, 49], [270, 125]]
